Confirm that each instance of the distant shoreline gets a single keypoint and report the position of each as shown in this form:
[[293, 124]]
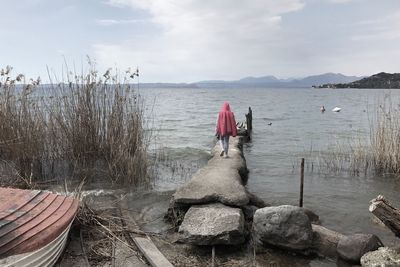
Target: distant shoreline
[[260, 82], [380, 80]]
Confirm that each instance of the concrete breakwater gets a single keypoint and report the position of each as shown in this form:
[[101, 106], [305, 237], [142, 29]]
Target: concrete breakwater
[[215, 208]]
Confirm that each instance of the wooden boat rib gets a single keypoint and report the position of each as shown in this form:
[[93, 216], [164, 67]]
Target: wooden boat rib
[[34, 226]]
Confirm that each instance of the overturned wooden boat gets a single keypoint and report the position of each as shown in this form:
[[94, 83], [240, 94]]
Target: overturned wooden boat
[[34, 226]]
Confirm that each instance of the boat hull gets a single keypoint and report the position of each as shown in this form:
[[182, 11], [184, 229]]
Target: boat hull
[[34, 226]]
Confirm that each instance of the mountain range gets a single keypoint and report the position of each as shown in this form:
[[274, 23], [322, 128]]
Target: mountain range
[[376, 81], [264, 81]]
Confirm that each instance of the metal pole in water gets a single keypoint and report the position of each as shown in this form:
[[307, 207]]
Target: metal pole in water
[[301, 183]]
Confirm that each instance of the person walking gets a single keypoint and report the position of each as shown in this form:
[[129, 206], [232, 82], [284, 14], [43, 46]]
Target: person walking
[[226, 127]]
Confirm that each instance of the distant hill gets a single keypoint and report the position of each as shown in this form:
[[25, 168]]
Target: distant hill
[[272, 81], [379, 80], [246, 80], [326, 78], [264, 81]]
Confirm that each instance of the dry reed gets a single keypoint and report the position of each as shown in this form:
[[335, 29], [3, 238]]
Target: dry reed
[[87, 126], [383, 151], [378, 153]]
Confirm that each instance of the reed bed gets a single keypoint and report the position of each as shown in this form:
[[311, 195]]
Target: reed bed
[[378, 153], [383, 150], [87, 126]]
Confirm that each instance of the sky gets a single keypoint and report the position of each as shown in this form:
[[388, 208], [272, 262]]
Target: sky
[[194, 40]]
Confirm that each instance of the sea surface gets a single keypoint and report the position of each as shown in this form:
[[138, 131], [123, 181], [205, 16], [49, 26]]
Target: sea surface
[[287, 126]]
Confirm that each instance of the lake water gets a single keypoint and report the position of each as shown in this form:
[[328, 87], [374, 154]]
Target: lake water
[[185, 119]]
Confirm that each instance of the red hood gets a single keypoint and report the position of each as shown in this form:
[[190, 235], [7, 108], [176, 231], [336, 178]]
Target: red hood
[[226, 124], [225, 107]]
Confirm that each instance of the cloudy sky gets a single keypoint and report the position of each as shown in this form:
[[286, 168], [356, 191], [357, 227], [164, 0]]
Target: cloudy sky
[[192, 40]]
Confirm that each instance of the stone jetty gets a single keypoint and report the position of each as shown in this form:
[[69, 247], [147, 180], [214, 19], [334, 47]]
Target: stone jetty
[[214, 208], [214, 199], [219, 181]]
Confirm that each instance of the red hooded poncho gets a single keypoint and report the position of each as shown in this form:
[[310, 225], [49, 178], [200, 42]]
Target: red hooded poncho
[[226, 124]]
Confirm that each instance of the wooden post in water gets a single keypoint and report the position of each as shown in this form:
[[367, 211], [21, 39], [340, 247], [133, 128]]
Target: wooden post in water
[[213, 256], [301, 183], [249, 120], [249, 124]]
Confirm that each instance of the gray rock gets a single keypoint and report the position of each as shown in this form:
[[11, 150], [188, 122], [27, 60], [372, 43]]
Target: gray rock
[[353, 247], [283, 226], [212, 224], [383, 257], [218, 181]]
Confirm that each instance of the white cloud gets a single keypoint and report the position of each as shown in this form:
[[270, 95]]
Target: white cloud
[[203, 36], [183, 17]]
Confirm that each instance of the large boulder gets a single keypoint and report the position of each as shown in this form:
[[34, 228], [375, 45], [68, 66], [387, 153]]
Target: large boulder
[[283, 226], [383, 257], [353, 247], [212, 224], [219, 181]]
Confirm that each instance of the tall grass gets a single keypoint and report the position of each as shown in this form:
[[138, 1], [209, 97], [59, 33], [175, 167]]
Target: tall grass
[[384, 151], [378, 153], [86, 126], [22, 126]]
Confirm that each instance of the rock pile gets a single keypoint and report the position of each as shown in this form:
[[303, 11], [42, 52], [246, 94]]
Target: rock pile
[[215, 208]]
